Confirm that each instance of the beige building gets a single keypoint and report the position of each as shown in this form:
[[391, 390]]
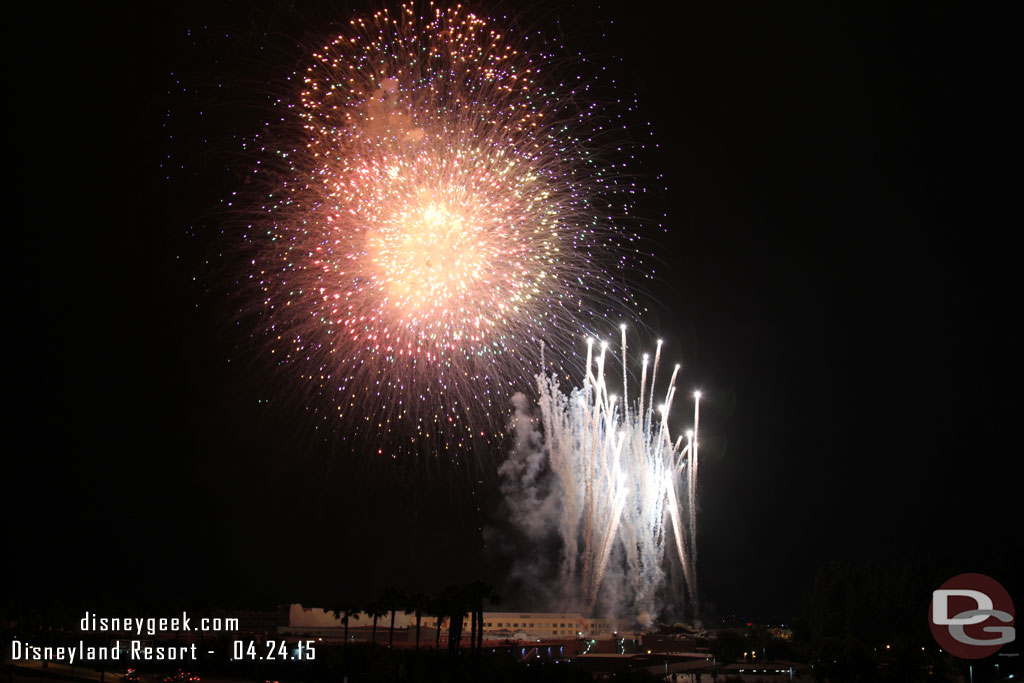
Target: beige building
[[497, 625], [532, 625]]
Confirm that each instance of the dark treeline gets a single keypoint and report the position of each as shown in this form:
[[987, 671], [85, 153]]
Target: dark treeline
[[868, 621], [859, 621]]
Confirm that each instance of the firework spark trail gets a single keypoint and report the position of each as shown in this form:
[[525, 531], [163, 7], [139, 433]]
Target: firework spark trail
[[431, 217], [622, 480]]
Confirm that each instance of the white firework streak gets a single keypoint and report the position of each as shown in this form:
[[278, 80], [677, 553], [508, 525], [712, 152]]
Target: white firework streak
[[622, 480]]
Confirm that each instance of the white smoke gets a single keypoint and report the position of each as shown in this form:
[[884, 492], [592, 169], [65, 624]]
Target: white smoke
[[524, 483], [532, 505]]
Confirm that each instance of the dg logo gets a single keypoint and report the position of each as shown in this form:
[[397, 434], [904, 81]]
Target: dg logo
[[971, 616]]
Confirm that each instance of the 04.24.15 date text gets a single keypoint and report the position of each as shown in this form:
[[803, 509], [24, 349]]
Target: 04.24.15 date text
[[273, 650]]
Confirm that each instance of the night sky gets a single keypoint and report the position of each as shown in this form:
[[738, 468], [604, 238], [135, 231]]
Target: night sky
[[836, 272]]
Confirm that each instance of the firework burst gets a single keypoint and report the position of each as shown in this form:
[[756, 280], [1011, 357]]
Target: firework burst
[[626, 489], [428, 219]]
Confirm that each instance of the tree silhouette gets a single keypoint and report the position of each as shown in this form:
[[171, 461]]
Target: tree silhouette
[[345, 611], [439, 610], [391, 598], [417, 604], [455, 603], [862, 621], [376, 610], [476, 593]]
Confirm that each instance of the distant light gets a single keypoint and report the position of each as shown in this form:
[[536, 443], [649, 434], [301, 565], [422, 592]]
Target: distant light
[[696, 394]]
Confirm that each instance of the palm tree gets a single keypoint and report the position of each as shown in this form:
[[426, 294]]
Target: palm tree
[[477, 592], [455, 601], [345, 611], [438, 609], [376, 610], [417, 604], [390, 599]]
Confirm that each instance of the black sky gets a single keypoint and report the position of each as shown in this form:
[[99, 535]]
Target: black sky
[[838, 273]]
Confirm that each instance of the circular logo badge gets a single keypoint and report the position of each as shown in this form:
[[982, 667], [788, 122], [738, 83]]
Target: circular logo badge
[[971, 616]]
